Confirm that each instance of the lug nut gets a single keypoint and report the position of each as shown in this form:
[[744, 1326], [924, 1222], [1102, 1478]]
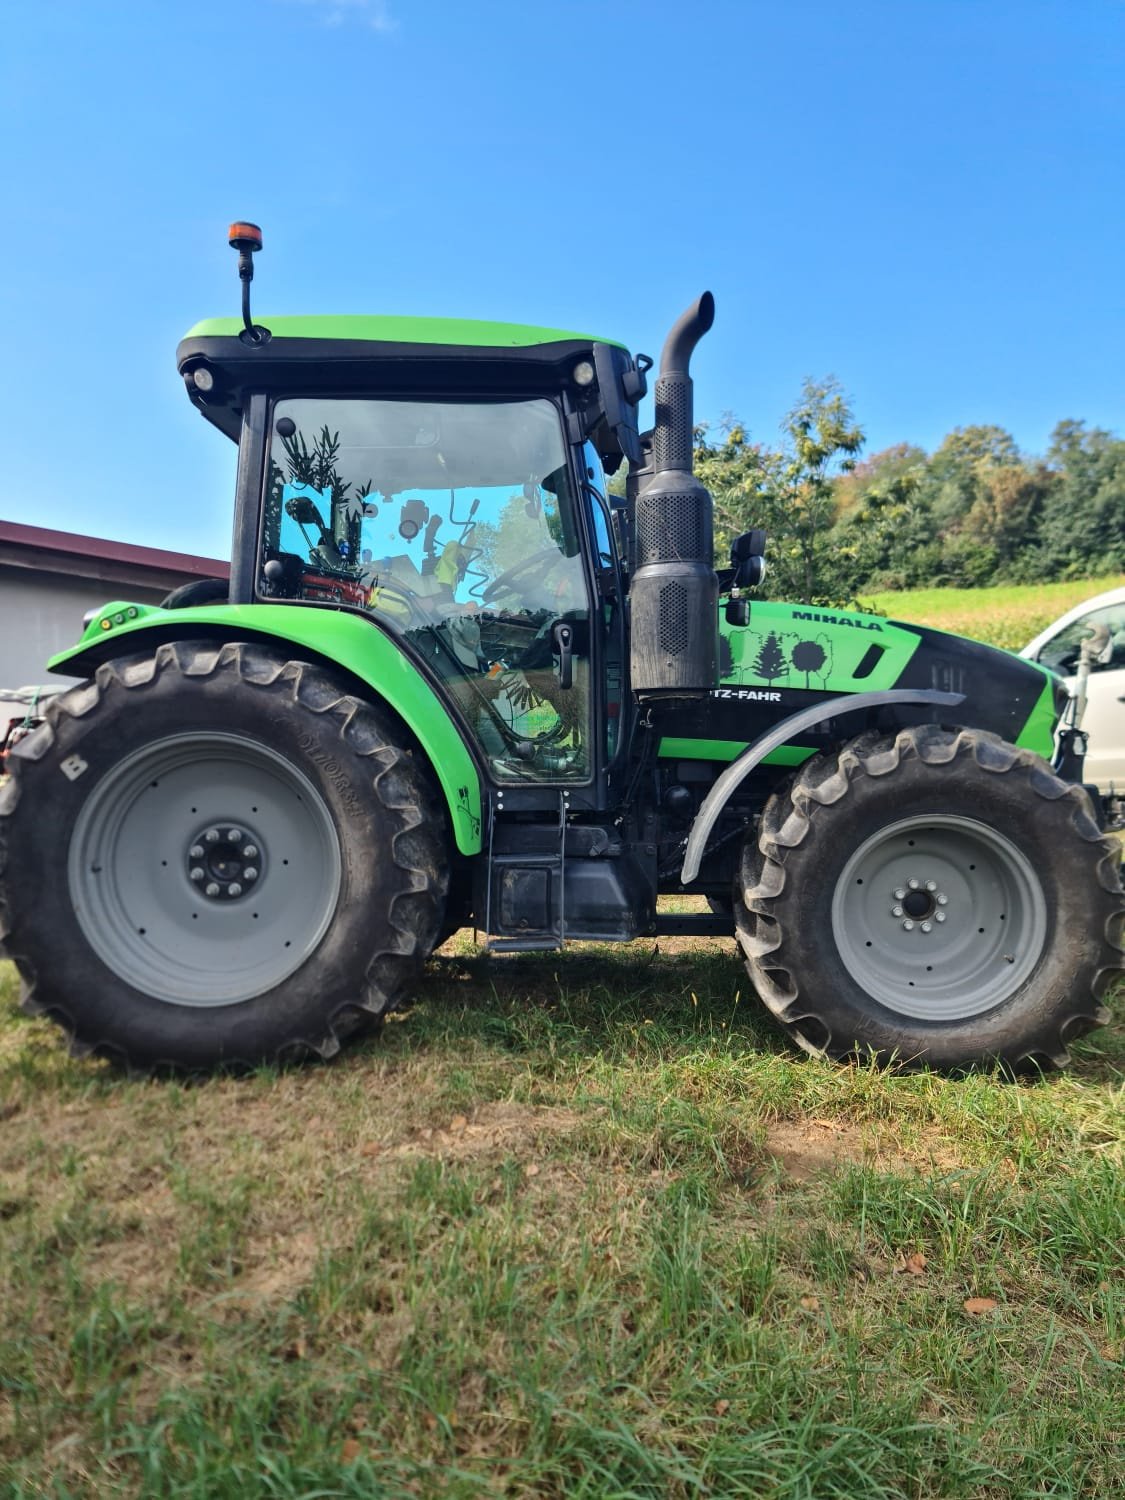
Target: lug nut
[[196, 851], [908, 925], [900, 892], [927, 927], [942, 899], [197, 872], [250, 852], [931, 885], [212, 836], [211, 890], [250, 873], [234, 889], [234, 835], [896, 911], [939, 916], [912, 883]]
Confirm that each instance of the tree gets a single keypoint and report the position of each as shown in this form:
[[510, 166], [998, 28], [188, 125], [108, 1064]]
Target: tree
[[958, 468], [810, 658], [1082, 532], [788, 491], [744, 480], [770, 661], [824, 439]]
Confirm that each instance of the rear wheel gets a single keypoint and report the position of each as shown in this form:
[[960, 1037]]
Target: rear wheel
[[937, 896], [214, 856], [198, 591]]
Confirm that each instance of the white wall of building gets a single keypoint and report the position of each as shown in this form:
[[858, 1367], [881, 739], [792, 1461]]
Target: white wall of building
[[41, 614]]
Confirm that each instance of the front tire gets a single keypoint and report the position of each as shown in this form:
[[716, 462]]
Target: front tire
[[212, 856], [934, 897]]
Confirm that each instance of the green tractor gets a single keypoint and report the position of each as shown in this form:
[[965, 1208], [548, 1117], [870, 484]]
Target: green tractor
[[454, 679]]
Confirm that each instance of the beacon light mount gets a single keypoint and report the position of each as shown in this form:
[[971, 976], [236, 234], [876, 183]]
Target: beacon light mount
[[246, 238]]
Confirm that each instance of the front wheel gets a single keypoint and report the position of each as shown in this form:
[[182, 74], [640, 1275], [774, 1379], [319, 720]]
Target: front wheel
[[934, 897], [215, 856]]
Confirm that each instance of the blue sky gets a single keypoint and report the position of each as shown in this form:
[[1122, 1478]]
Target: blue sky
[[923, 198]]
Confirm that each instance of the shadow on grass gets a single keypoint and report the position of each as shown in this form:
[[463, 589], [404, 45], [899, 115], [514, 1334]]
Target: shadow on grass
[[639, 1001]]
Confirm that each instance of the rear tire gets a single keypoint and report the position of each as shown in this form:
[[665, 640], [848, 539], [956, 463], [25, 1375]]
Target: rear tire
[[937, 897], [198, 591], [212, 856]]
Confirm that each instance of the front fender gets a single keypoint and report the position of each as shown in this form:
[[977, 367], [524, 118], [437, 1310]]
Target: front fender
[[781, 733], [331, 636]]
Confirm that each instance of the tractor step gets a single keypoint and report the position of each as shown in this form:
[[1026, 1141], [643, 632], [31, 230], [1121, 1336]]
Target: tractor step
[[545, 884], [545, 944]]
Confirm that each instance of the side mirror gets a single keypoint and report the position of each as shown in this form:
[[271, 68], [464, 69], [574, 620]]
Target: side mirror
[[621, 384], [748, 559], [304, 512]]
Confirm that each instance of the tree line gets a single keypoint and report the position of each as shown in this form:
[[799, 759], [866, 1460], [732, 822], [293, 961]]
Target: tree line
[[976, 511]]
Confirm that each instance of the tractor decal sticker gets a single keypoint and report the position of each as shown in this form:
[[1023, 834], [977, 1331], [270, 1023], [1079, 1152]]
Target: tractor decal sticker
[[814, 650], [849, 621], [784, 657], [464, 807], [756, 695]]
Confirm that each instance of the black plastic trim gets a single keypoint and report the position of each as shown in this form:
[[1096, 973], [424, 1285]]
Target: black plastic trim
[[249, 489]]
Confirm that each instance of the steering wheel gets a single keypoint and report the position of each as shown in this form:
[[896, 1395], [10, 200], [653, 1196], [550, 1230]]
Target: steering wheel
[[535, 566]]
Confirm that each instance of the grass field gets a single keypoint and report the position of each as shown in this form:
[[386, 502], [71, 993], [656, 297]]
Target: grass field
[[578, 1225], [1007, 617]]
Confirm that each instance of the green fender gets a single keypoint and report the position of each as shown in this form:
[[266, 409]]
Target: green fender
[[353, 643]]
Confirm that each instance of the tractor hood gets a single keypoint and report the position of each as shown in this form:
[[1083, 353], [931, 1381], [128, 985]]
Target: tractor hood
[[791, 655]]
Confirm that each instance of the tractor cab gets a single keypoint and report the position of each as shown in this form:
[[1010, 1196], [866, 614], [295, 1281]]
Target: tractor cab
[[445, 479]]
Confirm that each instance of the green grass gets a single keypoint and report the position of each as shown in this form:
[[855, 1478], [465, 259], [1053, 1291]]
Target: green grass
[[574, 1226], [1008, 616]]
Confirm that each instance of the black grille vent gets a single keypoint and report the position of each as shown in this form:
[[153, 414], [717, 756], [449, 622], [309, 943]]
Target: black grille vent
[[673, 424], [672, 627], [670, 529]]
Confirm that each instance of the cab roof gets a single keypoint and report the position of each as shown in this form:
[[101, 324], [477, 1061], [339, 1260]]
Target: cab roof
[[339, 354], [462, 333]]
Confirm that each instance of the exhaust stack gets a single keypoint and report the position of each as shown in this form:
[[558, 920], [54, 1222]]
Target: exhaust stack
[[674, 591]]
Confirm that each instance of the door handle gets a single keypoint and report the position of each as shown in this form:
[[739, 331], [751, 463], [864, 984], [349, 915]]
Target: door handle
[[564, 642]]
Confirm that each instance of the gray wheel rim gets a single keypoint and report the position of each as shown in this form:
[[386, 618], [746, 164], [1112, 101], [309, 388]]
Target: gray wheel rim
[[262, 903], [939, 918]]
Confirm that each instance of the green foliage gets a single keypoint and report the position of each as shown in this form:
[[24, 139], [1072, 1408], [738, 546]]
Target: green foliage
[[973, 513], [789, 491]]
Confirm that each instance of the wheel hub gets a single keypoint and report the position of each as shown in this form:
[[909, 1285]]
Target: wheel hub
[[939, 918], [224, 861], [918, 903], [204, 913]]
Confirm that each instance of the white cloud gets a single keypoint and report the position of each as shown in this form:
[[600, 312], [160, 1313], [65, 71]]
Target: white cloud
[[374, 15]]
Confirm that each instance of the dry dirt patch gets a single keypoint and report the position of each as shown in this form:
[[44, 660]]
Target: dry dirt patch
[[807, 1148], [501, 1128]]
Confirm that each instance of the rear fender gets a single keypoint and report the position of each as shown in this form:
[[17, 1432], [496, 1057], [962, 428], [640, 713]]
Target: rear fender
[[781, 733], [331, 637]]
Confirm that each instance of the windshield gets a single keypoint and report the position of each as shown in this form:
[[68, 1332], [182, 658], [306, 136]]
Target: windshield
[[454, 524]]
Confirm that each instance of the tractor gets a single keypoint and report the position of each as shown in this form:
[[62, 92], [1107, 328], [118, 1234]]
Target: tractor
[[454, 679]]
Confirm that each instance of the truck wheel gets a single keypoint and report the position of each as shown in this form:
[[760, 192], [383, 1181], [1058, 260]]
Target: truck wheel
[[937, 897], [212, 856]]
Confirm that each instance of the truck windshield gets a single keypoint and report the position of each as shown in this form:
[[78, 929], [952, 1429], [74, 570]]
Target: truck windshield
[[454, 523]]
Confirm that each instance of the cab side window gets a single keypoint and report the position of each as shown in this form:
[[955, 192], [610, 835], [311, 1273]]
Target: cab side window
[[595, 478]]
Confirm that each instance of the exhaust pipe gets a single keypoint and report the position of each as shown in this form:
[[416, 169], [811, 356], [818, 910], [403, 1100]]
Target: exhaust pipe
[[674, 649]]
